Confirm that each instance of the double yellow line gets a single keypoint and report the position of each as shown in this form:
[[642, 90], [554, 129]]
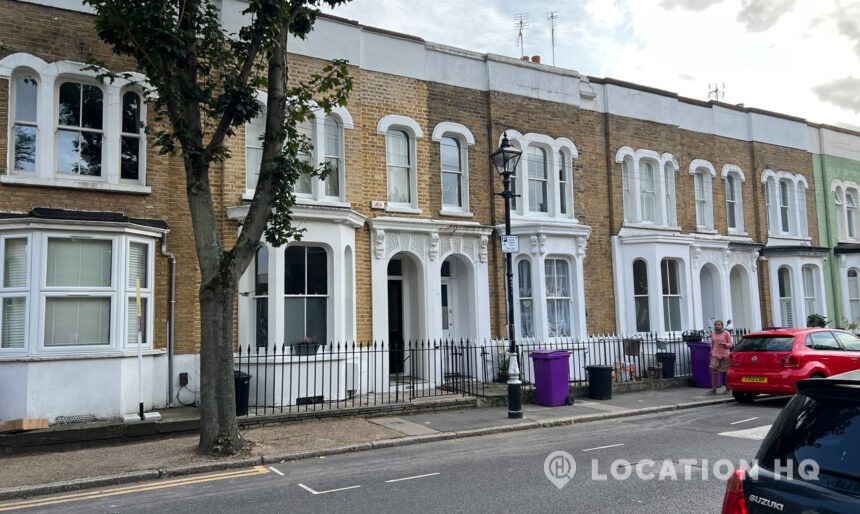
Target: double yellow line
[[151, 486]]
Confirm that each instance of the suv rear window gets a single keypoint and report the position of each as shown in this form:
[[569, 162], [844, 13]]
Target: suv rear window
[[826, 430], [765, 344]]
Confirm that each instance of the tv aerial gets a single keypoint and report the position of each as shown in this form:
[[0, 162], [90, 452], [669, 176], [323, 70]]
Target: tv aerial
[[716, 91]]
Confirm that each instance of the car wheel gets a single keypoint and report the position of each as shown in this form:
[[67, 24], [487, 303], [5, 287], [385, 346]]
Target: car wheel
[[744, 397]]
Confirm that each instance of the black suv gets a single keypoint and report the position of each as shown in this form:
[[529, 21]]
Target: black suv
[[809, 462]]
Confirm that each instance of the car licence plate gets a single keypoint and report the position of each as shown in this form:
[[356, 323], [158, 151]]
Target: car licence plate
[[755, 380]]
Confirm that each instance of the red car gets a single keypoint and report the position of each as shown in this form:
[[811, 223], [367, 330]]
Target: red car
[[771, 361]]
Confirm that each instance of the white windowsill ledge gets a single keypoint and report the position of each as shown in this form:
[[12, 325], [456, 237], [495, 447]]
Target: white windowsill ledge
[[75, 184]]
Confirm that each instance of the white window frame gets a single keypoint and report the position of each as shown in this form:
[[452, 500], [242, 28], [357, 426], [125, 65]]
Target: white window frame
[[639, 296], [464, 137], [49, 76], [562, 303], [119, 293], [538, 167], [675, 294], [413, 132], [316, 132], [634, 190], [703, 173], [811, 292], [851, 214], [852, 292], [785, 201], [525, 302], [736, 174], [12, 292], [785, 296], [554, 148]]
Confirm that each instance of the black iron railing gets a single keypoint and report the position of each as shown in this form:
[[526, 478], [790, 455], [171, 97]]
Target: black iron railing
[[310, 377]]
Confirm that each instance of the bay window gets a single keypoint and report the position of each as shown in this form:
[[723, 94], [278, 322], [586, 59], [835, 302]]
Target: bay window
[[75, 291]]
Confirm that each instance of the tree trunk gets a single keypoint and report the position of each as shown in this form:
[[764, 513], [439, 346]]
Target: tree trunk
[[219, 432]]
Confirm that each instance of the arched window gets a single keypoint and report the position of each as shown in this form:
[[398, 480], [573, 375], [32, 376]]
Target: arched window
[[640, 296], [841, 232], [786, 302], [627, 189], [526, 298], [24, 122], [398, 161], [565, 179], [333, 152], [648, 190], [850, 216], [538, 177], [853, 296], [131, 137], [784, 207], [261, 297], [450, 154]]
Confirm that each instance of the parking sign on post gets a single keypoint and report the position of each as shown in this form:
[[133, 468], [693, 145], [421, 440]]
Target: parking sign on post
[[510, 244]]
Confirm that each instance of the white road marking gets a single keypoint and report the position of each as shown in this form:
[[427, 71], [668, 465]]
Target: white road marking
[[603, 447], [411, 478], [749, 433], [743, 421], [308, 489], [274, 470]]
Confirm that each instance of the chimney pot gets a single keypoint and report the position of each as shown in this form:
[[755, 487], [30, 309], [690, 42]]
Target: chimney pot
[[536, 58], [525, 58]]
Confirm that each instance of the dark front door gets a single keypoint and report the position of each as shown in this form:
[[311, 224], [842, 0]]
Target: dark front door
[[395, 326]]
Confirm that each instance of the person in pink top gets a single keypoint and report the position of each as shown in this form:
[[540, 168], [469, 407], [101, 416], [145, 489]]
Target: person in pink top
[[721, 349]]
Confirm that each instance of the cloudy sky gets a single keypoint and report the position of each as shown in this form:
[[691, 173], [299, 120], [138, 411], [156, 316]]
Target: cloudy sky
[[797, 57]]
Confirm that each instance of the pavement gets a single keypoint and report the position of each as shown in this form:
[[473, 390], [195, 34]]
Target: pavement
[[79, 459]]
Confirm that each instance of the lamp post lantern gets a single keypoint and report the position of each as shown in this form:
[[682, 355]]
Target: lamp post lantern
[[505, 159]]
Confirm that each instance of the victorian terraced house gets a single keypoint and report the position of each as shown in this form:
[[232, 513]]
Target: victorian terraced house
[[637, 211]]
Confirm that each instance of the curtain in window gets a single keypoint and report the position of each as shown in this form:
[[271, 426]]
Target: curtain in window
[[809, 290], [524, 276], [72, 266], [854, 296], [558, 297], [138, 269], [785, 300]]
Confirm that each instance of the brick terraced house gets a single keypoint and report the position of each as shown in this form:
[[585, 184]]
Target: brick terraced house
[[638, 211]]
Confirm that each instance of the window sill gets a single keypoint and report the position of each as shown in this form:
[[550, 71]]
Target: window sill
[[651, 226], [8, 355], [75, 184], [456, 214], [403, 209], [709, 231]]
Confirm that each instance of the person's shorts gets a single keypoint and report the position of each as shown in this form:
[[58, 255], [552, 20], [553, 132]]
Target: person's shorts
[[719, 363]]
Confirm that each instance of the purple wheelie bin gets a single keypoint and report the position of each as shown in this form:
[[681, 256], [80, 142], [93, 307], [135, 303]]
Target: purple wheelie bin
[[552, 377]]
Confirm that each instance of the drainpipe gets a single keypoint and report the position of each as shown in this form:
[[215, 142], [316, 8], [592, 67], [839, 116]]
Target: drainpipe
[[170, 318]]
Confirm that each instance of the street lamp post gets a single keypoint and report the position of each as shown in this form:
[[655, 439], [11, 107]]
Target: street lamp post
[[505, 160]]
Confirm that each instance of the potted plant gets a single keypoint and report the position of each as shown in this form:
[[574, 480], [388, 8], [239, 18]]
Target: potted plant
[[816, 320], [502, 355], [852, 326], [305, 346]]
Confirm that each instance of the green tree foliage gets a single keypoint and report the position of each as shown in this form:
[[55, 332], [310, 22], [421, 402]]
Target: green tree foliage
[[201, 84]]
